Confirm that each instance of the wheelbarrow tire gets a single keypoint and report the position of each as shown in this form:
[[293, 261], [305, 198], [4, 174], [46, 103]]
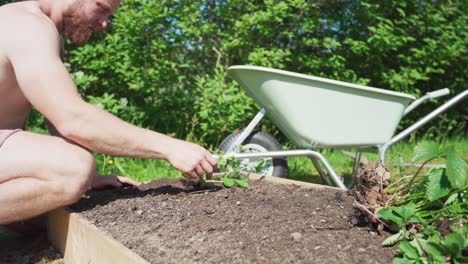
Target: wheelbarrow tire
[[265, 141]]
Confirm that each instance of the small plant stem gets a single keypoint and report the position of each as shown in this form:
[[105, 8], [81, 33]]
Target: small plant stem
[[213, 181], [398, 187]]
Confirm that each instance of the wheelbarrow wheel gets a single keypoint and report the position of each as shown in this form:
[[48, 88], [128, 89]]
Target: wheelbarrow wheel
[[259, 141]]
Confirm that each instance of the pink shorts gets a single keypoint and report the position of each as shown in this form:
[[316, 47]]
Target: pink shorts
[[6, 133]]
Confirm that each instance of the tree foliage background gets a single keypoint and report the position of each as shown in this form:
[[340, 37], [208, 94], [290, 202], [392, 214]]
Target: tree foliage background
[[161, 64]]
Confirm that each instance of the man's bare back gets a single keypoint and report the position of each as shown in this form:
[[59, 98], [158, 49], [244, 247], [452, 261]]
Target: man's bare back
[[14, 107]]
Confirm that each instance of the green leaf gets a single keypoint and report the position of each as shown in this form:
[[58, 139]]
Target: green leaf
[[405, 211], [454, 244], [388, 214], [435, 237], [438, 185], [451, 199], [260, 166], [416, 245], [242, 182], [228, 182], [409, 250], [448, 150], [433, 249], [426, 151], [393, 239], [456, 171]]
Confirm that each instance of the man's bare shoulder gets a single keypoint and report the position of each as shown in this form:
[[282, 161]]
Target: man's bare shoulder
[[24, 21]]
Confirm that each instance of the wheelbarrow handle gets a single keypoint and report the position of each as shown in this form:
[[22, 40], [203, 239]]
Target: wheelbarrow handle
[[427, 96], [456, 99], [438, 93]]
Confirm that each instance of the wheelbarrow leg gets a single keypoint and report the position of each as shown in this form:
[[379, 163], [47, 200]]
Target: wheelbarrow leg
[[326, 178], [357, 160], [336, 179], [323, 175]]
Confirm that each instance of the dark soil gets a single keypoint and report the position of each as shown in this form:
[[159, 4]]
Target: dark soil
[[29, 250], [170, 221]]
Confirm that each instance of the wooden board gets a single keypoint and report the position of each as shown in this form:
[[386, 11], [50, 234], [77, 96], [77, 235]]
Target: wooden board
[[292, 182], [79, 241]]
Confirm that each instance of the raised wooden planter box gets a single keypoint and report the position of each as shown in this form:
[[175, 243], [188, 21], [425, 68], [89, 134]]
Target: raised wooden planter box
[[79, 241]]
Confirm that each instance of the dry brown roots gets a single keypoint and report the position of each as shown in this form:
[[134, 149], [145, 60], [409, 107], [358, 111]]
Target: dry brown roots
[[369, 193]]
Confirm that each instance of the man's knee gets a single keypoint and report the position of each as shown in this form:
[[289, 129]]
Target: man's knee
[[80, 175]]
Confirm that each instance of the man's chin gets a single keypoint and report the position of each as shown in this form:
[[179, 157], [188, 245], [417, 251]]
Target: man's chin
[[79, 43], [79, 40]]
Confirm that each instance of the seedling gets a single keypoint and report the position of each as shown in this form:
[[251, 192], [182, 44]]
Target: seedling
[[231, 177]]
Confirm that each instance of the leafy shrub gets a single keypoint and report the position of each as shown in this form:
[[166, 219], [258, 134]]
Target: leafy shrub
[[219, 109], [158, 53]]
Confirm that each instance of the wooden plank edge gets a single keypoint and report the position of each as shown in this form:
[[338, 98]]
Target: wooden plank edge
[[81, 242], [254, 176]]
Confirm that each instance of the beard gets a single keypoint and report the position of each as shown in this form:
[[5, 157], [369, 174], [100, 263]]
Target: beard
[[75, 27]]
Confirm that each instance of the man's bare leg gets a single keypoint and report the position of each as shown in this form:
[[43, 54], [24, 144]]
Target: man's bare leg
[[39, 173]]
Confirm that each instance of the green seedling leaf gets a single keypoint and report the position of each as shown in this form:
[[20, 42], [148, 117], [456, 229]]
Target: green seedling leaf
[[454, 244], [452, 198], [416, 245], [435, 237], [408, 250], [260, 166], [405, 211], [433, 249], [438, 185], [228, 182], [389, 215], [456, 171], [242, 182], [426, 151], [393, 239]]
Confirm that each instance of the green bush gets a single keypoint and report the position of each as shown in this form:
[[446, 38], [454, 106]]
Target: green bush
[[161, 55], [220, 108]]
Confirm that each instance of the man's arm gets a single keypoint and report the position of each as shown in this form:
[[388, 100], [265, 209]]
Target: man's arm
[[47, 85]]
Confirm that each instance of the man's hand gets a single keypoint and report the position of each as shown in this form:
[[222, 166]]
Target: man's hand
[[105, 181], [192, 160]]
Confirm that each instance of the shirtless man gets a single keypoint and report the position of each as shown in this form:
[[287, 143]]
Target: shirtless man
[[38, 172]]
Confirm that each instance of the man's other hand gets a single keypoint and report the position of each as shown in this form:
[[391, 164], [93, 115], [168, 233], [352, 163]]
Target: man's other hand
[[109, 181]]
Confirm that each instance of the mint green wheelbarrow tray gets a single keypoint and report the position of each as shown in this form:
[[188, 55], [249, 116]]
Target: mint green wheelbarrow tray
[[317, 113]]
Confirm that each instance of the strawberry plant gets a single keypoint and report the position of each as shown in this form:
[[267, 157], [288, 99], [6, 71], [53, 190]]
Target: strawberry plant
[[429, 211]]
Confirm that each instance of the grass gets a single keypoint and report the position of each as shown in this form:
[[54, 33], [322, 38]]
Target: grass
[[137, 169], [300, 168]]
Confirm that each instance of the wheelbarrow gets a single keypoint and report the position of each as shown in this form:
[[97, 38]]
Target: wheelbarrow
[[317, 113]]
